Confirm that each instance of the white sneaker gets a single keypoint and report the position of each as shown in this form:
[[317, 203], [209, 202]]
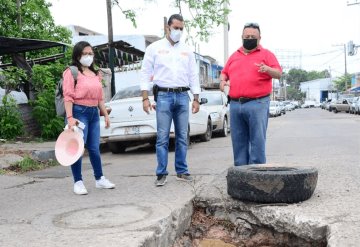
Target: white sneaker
[[79, 188], [104, 183]]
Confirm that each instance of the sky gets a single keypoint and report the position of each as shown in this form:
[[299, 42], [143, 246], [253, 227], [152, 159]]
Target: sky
[[310, 32]]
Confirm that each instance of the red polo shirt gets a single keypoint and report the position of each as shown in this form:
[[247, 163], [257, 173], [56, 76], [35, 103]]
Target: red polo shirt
[[245, 78]]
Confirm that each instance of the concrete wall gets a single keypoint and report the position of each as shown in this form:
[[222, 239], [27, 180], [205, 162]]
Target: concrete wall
[[313, 88]]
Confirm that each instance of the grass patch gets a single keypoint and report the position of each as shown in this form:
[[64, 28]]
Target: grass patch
[[28, 164]]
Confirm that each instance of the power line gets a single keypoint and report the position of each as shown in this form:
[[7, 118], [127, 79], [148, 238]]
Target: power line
[[323, 53]]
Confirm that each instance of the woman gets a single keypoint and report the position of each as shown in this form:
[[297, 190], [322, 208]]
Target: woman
[[82, 101]]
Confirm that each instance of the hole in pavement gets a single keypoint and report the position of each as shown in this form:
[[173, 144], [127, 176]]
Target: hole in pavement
[[206, 230]]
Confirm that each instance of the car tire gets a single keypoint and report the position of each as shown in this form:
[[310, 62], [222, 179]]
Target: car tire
[[188, 140], [271, 184], [335, 110], [207, 136], [116, 147], [225, 130]]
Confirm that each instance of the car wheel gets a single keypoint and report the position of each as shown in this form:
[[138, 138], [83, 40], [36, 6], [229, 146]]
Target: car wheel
[[207, 136], [224, 132], [335, 110], [116, 147], [188, 137], [271, 184]]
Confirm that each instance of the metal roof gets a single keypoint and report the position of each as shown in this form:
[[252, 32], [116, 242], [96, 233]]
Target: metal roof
[[10, 45]]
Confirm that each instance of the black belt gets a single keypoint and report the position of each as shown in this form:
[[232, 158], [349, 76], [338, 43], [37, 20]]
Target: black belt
[[243, 100], [173, 89]]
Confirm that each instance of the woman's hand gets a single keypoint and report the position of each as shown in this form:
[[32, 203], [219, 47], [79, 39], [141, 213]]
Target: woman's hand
[[72, 122]]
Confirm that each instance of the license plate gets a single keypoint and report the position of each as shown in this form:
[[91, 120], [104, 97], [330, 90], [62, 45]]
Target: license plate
[[134, 130]]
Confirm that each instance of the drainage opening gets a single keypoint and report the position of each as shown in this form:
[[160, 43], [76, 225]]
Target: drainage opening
[[206, 230]]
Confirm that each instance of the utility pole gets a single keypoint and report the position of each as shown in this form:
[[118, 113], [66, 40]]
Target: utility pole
[[345, 67], [344, 45], [111, 46], [226, 35]]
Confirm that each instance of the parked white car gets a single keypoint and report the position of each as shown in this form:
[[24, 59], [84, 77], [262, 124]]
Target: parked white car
[[131, 126], [218, 108], [274, 108]]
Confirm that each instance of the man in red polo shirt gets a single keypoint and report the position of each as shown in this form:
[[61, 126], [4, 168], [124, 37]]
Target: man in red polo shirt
[[249, 72]]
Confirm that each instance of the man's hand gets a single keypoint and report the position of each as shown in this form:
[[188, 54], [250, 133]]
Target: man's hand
[[107, 121], [223, 83], [195, 106], [262, 67], [147, 106]]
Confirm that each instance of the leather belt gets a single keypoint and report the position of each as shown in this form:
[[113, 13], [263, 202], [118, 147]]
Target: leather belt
[[173, 89], [243, 100]]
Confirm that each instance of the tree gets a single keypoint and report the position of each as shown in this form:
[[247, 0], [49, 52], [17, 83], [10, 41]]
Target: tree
[[295, 76], [341, 81], [199, 16], [294, 94], [34, 21], [204, 15]]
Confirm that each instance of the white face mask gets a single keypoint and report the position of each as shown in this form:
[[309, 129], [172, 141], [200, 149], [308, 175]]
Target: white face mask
[[175, 35], [86, 60]]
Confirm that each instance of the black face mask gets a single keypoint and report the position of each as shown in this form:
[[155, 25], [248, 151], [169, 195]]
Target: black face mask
[[249, 44]]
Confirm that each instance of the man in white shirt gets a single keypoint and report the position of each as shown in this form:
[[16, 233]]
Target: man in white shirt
[[170, 65]]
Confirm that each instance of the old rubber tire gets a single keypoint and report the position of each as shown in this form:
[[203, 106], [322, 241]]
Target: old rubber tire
[[266, 184]]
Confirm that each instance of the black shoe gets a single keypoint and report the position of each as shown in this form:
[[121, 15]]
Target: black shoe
[[161, 180], [184, 177]]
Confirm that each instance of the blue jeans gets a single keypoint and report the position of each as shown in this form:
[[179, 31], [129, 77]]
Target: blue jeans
[[172, 107], [90, 117], [248, 125]]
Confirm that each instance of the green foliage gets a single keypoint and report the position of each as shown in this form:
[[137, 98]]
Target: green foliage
[[205, 15], [12, 78], [10, 119], [295, 76], [343, 82], [295, 94], [28, 164], [33, 20], [45, 78]]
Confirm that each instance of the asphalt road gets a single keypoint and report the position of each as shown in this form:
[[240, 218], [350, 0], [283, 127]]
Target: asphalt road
[[39, 208]]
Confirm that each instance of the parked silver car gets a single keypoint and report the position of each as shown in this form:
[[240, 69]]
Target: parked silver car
[[218, 108], [274, 108]]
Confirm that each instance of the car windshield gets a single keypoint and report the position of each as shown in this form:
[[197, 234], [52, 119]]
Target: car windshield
[[273, 103], [129, 92], [213, 98]]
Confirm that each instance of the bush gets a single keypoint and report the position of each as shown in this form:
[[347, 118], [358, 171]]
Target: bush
[[10, 119], [45, 78]]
